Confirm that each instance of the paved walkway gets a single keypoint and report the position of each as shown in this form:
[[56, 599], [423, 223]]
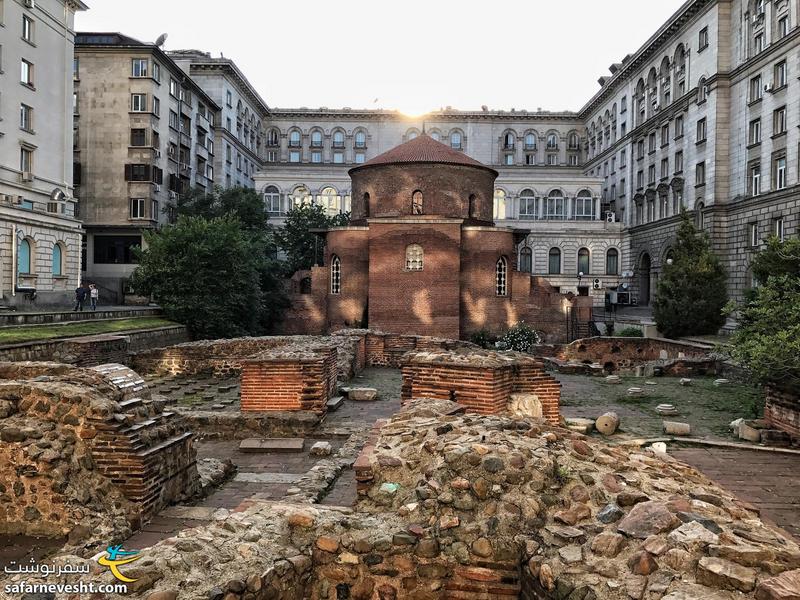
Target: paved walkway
[[769, 480]]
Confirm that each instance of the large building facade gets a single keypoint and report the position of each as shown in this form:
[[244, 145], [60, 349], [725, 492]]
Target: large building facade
[[145, 133], [40, 237]]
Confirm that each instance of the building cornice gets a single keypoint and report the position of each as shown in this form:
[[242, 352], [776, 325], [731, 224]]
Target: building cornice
[[429, 118], [631, 64], [228, 68]]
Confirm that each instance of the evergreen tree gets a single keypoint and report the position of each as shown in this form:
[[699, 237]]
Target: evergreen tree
[[691, 292], [302, 247]]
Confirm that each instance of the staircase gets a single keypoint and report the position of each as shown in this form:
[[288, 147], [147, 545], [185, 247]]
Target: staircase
[[68, 316]]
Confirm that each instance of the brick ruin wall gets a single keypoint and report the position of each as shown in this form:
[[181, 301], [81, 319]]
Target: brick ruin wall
[[615, 353], [482, 381], [782, 410], [85, 447], [387, 349]]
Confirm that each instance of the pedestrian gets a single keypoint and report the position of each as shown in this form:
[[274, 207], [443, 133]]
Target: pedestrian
[[94, 294], [80, 298]]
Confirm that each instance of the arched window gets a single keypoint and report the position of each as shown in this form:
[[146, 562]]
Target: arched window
[[361, 139], [412, 134], [530, 141], [552, 141], [583, 261], [24, 258], [272, 199], [554, 208], [473, 208], [612, 261], [455, 140], [294, 137], [526, 260], [58, 260], [330, 200], [499, 204], [336, 275], [584, 206], [527, 205], [573, 141], [366, 204], [338, 139], [414, 257], [702, 90], [316, 138], [508, 141], [273, 137], [417, 203], [701, 220], [501, 277], [300, 196], [554, 261], [435, 135]]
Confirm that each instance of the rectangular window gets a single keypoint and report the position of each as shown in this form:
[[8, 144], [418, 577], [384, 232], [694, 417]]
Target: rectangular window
[[360, 158], [530, 159], [623, 161], [758, 45], [781, 75], [623, 129], [780, 232], [665, 134], [139, 67], [137, 208], [651, 142], [755, 179], [679, 162], [552, 159], [640, 149], [173, 88], [75, 68], [700, 173], [779, 121], [228, 98], [651, 174], [173, 120], [753, 235], [702, 41], [780, 172], [115, 249], [527, 208], [26, 72], [138, 137], [338, 158], [26, 160], [139, 102], [27, 28], [678, 126], [228, 154], [755, 88], [701, 130], [783, 27], [157, 72], [316, 157], [584, 209], [272, 156], [664, 168], [623, 104], [294, 156], [755, 131], [156, 106], [26, 118], [573, 160], [640, 179]]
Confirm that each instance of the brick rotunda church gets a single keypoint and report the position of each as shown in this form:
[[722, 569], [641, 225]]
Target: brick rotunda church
[[422, 256]]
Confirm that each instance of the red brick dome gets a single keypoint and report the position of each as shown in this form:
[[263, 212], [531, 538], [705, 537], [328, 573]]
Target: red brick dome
[[423, 149]]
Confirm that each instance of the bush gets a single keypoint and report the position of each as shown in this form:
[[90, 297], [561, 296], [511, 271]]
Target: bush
[[520, 338], [609, 325], [691, 292], [630, 332], [484, 339]]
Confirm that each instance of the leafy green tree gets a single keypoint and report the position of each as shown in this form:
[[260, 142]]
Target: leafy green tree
[[208, 274], [244, 203], [302, 247], [691, 292], [767, 342]]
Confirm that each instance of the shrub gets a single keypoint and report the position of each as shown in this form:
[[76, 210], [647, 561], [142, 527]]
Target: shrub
[[520, 338], [609, 325], [484, 339], [630, 332], [691, 292]]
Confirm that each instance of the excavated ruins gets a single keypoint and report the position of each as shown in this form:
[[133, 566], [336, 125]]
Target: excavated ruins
[[471, 491]]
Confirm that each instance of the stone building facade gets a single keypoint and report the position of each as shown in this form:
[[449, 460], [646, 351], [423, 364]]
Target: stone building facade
[[144, 133], [40, 237], [239, 135]]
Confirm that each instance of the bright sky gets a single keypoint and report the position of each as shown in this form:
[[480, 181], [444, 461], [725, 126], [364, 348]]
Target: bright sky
[[414, 56]]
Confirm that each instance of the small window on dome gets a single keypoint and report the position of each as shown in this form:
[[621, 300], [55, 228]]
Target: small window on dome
[[414, 257], [417, 203]]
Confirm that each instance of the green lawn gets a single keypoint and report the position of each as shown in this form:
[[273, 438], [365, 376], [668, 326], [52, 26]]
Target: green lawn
[[13, 335]]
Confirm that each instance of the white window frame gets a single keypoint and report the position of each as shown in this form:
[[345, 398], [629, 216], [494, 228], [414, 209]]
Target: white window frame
[[780, 173], [139, 102], [137, 208], [139, 67]]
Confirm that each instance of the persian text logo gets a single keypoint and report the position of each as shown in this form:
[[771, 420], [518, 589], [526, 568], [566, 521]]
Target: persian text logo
[[114, 557]]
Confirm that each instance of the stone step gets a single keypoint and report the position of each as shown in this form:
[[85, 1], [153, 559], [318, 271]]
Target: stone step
[[47, 318], [131, 403], [272, 445], [176, 439], [335, 402]]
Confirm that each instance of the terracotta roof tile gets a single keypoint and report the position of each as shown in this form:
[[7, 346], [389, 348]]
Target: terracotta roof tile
[[423, 149]]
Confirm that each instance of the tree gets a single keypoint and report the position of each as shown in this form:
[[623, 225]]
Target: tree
[[303, 248], [767, 342], [210, 275], [691, 292], [244, 203]]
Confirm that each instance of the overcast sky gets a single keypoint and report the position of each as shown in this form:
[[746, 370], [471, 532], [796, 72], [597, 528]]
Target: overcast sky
[[414, 56]]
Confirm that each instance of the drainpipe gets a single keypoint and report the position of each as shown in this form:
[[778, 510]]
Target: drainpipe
[[13, 260]]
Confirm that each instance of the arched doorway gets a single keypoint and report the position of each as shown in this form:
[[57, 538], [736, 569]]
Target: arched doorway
[[644, 280]]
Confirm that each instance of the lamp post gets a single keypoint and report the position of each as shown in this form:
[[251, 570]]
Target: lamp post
[[580, 276]]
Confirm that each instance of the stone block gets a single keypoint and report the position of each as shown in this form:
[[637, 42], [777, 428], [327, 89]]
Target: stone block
[[272, 445], [362, 394], [335, 402], [321, 449]]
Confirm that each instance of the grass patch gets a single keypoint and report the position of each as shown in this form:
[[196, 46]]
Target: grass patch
[[15, 335]]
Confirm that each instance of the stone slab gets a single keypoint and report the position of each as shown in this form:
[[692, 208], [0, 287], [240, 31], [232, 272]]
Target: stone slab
[[272, 445], [280, 478], [335, 402]]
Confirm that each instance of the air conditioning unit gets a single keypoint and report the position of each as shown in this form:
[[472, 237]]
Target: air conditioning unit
[[173, 195], [597, 284], [156, 188], [610, 217], [769, 88], [157, 153], [27, 176], [6, 198]]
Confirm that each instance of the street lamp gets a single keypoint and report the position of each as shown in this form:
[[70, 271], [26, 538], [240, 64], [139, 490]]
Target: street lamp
[[580, 276], [669, 261]]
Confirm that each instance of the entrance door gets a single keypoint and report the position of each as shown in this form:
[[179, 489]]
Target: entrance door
[[644, 280]]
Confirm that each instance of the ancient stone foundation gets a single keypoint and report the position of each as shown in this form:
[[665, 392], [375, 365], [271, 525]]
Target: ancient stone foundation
[[481, 380], [86, 448]]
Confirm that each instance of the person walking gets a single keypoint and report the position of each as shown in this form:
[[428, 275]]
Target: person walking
[[80, 298], [94, 294]]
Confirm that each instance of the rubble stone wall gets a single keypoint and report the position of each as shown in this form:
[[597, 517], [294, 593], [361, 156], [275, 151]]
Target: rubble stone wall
[[620, 352], [482, 381], [782, 410], [387, 349]]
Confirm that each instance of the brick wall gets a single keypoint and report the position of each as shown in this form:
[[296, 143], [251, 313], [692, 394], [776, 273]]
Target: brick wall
[[285, 383], [388, 349], [617, 352], [481, 381], [782, 410]]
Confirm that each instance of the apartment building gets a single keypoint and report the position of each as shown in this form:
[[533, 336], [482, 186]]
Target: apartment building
[[40, 237]]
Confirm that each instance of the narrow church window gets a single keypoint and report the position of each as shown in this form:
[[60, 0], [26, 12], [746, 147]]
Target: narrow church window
[[366, 204], [501, 277], [414, 257], [526, 260], [336, 275], [473, 209], [416, 203]]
